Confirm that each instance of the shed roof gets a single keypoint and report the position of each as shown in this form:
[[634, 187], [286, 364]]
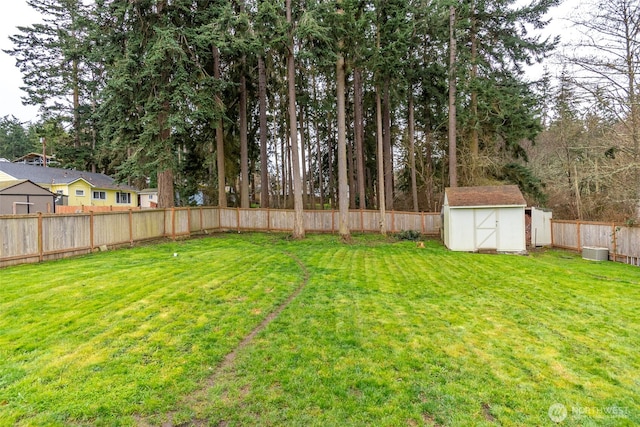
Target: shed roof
[[23, 187], [491, 195], [48, 175]]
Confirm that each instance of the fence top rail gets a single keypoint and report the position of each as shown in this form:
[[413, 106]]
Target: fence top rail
[[576, 222], [188, 208]]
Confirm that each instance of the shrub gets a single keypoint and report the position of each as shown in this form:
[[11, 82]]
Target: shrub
[[408, 235]]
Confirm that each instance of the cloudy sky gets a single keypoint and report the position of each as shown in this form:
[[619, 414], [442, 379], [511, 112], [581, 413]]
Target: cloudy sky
[[18, 13]]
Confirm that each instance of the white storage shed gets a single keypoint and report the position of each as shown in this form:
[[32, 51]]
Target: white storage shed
[[487, 218]]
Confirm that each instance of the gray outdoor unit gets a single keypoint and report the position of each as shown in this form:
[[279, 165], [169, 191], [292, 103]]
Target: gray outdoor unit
[[595, 254]]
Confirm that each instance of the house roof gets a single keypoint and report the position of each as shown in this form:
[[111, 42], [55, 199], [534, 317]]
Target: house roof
[[48, 176], [492, 195]]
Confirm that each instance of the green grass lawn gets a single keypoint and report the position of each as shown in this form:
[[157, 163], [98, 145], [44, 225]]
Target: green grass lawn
[[383, 333]]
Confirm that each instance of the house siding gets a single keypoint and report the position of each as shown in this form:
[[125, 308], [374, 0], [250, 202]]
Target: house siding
[[87, 199]]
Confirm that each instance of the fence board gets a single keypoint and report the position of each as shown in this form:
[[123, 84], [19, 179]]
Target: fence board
[[18, 237], [64, 233], [628, 245], [110, 228], [148, 224], [598, 235]]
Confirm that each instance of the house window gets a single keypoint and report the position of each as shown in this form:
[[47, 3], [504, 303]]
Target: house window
[[80, 193], [123, 198], [100, 195]]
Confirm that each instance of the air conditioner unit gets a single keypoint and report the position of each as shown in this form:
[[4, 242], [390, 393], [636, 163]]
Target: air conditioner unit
[[595, 254]]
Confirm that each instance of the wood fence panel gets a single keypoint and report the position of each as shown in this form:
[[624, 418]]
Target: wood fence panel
[[565, 235], [408, 221], [628, 245], [596, 235], [318, 221], [254, 219], [432, 223], [111, 229], [355, 223], [371, 221], [148, 224], [228, 219], [181, 222], [281, 220], [18, 236], [210, 218], [61, 233]]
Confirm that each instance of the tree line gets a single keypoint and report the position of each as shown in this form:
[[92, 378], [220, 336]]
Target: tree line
[[291, 103]]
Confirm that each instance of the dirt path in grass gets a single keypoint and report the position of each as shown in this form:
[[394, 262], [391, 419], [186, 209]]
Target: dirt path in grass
[[199, 395]]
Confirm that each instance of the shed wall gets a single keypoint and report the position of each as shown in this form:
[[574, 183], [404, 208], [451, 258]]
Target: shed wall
[[461, 233]]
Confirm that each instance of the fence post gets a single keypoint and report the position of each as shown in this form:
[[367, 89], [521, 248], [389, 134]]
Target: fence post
[[130, 227], [40, 244], [238, 218], [201, 221], [578, 233], [361, 221], [333, 221], [91, 231], [173, 223], [422, 222], [393, 221], [615, 242], [189, 221], [268, 220], [552, 234]]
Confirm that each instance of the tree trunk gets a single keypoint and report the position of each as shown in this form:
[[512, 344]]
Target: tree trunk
[[76, 105], [244, 150], [166, 195], [264, 159], [303, 159], [381, 186], [359, 135], [343, 188], [318, 144], [312, 189], [453, 169], [412, 151], [222, 192], [473, 104], [386, 133], [298, 222]]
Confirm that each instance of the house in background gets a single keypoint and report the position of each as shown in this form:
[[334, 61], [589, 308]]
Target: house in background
[[25, 197], [149, 198], [35, 159], [489, 218], [76, 187]]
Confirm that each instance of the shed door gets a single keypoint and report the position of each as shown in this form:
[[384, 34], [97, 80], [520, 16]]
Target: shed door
[[486, 228]]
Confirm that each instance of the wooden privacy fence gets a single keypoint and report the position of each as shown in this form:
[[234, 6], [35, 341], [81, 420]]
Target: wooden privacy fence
[[34, 238], [622, 241]]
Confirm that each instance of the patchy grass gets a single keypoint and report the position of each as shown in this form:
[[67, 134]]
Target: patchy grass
[[383, 334]]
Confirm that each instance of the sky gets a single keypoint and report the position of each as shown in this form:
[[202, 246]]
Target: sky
[[18, 13], [15, 13]]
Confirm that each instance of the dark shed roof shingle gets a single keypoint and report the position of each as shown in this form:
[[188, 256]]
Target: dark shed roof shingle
[[492, 195]]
